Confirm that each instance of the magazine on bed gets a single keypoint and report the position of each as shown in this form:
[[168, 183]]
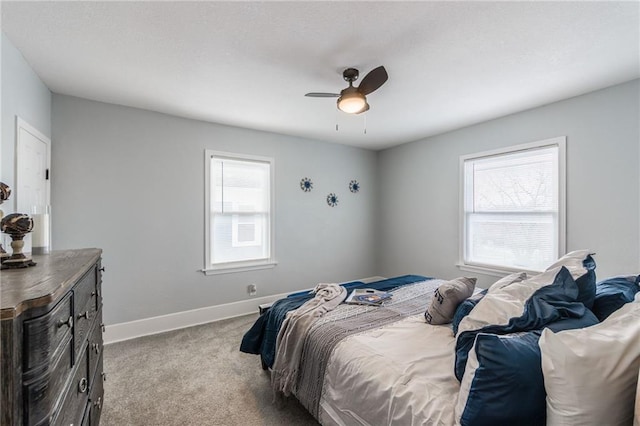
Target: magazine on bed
[[367, 296]]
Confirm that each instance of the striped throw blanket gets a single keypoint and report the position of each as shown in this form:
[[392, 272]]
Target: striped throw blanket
[[294, 328]]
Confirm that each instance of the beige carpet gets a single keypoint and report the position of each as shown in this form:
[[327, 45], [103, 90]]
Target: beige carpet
[[194, 376]]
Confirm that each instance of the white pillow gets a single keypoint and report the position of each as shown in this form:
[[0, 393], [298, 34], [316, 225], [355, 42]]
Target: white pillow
[[591, 374], [573, 262], [505, 303], [516, 277], [498, 306]]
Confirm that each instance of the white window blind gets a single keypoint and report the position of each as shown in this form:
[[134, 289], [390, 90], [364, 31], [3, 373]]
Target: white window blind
[[240, 211], [512, 214]]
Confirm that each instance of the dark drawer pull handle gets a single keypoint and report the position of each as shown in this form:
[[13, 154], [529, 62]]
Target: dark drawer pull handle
[[102, 326], [104, 376], [98, 403], [102, 269], [68, 323], [82, 385], [85, 314]]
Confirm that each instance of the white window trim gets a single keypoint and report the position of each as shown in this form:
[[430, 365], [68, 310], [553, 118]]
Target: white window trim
[[249, 265], [240, 267], [499, 271]]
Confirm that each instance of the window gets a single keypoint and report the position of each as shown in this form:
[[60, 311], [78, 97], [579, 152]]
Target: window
[[239, 212], [513, 207]]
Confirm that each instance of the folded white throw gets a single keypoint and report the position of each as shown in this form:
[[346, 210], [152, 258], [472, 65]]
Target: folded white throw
[[291, 336]]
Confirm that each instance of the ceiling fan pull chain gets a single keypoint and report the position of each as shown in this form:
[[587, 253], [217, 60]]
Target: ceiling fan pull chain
[[365, 123]]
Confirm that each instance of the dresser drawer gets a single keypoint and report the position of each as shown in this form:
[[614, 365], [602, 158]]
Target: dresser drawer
[[73, 409], [99, 292], [86, 421], [96, 398], [99, 270], [44, 335], [43, 392], [84, 315], [95, 345], [85, 290], [84, 321]]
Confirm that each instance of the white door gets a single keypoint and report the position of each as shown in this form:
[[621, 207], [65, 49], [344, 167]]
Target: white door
[[32, 177]]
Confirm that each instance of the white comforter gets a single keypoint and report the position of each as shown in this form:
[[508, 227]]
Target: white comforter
[[401, 374]]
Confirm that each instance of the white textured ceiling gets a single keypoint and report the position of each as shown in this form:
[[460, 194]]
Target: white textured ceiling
[[248, 64]]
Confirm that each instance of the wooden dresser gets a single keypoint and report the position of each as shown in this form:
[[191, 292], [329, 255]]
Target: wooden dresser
[[51, 341]]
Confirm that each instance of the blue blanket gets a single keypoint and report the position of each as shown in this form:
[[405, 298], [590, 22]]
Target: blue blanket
[[261, 337]]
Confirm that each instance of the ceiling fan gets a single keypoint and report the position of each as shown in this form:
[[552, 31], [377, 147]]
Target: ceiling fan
[[353, 100]]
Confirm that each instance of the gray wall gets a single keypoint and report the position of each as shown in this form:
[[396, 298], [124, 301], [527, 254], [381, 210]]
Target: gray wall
[[419, 184], [25, 96], [132, 182]]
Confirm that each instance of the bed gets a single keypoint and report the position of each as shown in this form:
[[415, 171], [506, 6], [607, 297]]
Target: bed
[[521, 352]]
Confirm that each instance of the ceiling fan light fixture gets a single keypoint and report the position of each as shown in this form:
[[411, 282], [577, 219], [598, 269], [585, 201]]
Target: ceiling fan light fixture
[[353, 100], [352, 103]]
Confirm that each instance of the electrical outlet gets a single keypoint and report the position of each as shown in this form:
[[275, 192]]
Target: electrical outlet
[[252, 289]]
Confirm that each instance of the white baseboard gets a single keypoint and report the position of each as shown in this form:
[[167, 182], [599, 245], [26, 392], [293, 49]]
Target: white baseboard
[[163, 323], [160, 324]]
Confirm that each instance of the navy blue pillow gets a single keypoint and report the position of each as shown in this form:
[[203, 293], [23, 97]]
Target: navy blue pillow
[[465, 308], [587, 283], [614, 292], [508, 387]]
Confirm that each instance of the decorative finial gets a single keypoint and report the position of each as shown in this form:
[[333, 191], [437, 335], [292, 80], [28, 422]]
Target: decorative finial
[[5, 192], [17, 225]]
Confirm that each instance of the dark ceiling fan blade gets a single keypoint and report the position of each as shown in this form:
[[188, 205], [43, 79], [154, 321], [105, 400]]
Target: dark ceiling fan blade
[[322, 95], [372, 81]]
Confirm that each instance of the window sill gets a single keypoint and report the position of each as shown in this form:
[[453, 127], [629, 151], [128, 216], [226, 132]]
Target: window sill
[[493, 271], [240, 268]]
